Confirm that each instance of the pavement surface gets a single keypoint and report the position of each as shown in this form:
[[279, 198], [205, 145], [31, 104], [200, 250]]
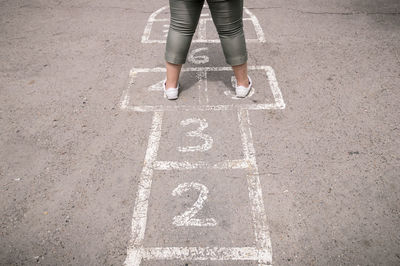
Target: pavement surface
[[97, 168]]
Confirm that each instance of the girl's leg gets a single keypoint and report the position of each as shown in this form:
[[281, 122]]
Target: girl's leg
[[184, 19], [173, 72], [240, 72], [228, 19]]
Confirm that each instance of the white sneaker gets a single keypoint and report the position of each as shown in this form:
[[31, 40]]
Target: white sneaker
[[170, 93], [242, 91]]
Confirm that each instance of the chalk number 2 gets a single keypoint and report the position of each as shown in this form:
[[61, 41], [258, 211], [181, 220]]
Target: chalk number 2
[[187, 218]]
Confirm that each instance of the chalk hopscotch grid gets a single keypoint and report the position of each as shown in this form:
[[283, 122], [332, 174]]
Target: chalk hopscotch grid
[[279, 103], [262, 252], [202, 28]]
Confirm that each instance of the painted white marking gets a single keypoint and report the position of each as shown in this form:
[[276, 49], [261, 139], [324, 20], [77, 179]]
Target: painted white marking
[[153, 108], [273, 83], [198, 59], [201, 254], [139, 216], [185, 165], [204, 15], [206, 86], [201, 76], [256, 24], [149, 25], [202, 83], [124, 104], [161, 19], [159, 86], [166, 30], [202, 30], [208, 141], [261, 230], [186, 218]]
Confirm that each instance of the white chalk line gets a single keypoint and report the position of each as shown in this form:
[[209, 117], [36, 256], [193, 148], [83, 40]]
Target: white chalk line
[[149, 25], [270, 75], [257, 26], [206, 87], [125, 98], [124, 103], [153, 108], [185, 165], [261, 231], [139, 216], [202, 253], [202, 28]]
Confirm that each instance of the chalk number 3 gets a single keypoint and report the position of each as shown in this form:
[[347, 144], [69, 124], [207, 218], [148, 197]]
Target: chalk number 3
[[198, 133]]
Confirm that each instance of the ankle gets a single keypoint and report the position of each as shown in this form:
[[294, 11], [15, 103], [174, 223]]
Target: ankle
[[244, 82], [171, 84]]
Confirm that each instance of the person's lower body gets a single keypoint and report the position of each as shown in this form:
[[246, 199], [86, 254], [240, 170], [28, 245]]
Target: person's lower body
[[228, 19]]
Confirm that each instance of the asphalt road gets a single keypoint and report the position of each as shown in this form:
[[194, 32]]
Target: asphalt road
[[97, 168]]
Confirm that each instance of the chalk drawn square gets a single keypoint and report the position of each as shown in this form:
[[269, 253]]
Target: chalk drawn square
[[221, 89], [203, 88], [229, 208], [146, 89], [209, 144]]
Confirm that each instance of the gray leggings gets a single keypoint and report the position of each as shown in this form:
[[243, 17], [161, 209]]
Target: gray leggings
[[228, 19]]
